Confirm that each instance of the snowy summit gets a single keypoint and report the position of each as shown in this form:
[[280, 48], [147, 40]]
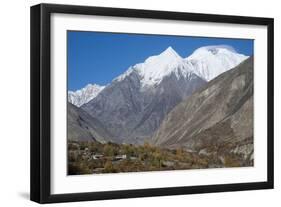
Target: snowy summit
[[155, 68], [205, 62], [210, 61], [84, 95]]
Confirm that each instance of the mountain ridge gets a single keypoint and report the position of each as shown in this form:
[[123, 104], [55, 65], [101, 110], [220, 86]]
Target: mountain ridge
[[207, 62]]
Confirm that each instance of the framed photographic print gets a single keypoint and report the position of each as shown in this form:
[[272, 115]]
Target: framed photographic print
[[133, 103]]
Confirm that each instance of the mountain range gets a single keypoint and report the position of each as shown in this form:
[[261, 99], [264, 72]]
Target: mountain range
[[133, 106]]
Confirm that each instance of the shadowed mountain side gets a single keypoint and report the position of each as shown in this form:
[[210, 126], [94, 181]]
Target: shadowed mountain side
[[216, 118], [83, 127]]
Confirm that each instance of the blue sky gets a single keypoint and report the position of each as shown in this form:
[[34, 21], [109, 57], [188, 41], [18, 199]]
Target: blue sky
[[98, 57]]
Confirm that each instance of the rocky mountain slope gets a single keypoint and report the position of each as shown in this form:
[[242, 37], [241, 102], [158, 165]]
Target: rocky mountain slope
[[216, 119], [82, 127]]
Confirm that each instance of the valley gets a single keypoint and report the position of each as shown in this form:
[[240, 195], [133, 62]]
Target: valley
[[95, 158]]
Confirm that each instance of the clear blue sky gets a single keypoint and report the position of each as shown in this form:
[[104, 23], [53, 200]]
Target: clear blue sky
[[98, 57]]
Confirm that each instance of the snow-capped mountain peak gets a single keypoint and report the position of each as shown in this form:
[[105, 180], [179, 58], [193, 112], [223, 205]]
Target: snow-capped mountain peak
[[164, 59], [156, 67], [213, 49], [84, 95], [206, 62], [210, 61], [170, 53]]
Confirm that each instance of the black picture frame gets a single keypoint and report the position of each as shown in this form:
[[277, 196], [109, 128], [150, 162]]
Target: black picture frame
[[41, 95]]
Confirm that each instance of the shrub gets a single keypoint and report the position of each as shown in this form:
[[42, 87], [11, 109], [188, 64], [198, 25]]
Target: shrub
[[78, 169], [109, 150], [108, 167], [231, 162]]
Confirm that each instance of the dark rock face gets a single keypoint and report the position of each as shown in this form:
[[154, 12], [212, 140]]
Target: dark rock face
[[217, 117], [82, 127], [132, 113]]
